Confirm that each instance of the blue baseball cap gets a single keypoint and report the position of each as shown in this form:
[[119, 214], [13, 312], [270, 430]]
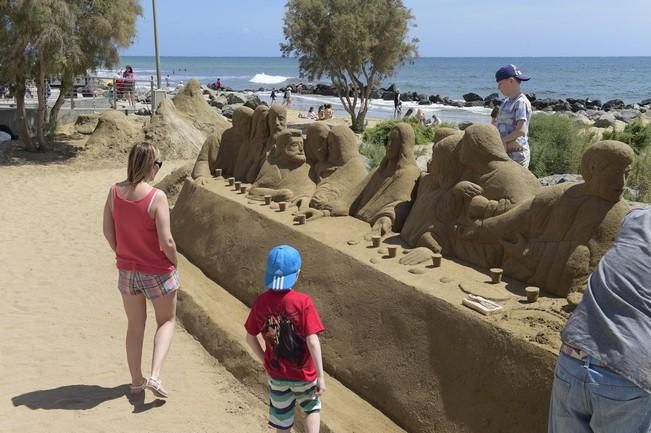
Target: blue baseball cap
[[510, 71], [283, 265]]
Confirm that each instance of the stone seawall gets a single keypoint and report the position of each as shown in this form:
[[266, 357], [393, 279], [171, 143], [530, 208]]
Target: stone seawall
[[403, 342]]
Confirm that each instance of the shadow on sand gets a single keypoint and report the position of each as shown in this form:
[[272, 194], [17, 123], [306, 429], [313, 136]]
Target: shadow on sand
[[82, 397]]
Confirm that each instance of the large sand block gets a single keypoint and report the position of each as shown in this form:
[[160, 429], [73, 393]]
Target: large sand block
[[401, 340]]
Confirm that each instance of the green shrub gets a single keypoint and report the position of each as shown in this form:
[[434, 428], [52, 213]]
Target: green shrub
[[557, 143], [639, 178], [375, 139], [635, 134]]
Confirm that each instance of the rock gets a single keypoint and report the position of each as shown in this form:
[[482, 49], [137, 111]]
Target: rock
[[614, 104], [464, 125], [560, 178], [576, 107], [582, 119], [626, 115], [593, 104], [235, 98], [424, 102], [531, 96], [492, 100], [388, 96], [474, 104], [436, 99], [458, 104], [562, 106], [219, 101], [605, 120], [325, 90], [472, 97], [422, 162], [252, 101], [645, 101], [228, 110]]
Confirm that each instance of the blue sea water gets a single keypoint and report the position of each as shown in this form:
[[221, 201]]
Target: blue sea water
[[604, 78]]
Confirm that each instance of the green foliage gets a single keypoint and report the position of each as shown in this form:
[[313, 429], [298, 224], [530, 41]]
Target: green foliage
[[635, 134], [639, 178], [557, 143], [356, 43], [60, 38]]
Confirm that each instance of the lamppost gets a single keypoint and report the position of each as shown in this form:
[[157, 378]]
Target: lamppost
[[153, 7]]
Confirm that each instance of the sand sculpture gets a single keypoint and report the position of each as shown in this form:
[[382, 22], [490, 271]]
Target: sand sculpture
[[285, 173], [385, 199], [430, 224], [340, 178], [204, 167], [555, 239], [249, 155], [232, 139], [276, 123], [316, 150], [191, 103]]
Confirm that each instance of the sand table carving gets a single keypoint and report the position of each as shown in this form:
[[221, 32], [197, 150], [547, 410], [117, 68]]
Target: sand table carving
[[115, 133], [492, 184], [285, 173], [191, 104], [555, 239], [385, 199], [430, 225], [232, 139], [341, 177], [204, 168], [246, 165], [276, 123]]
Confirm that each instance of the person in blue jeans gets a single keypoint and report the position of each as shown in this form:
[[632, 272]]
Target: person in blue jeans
[[602, 381]]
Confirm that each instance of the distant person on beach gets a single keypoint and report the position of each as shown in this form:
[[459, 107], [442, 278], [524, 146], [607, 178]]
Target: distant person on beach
[[218, 84], [434, 121], [167, 81], [321, 115], [129, 84], [287, 97], [514, 114], [273, 96], [309, 115], [137, 228], [289, 323], [602, 381], [329, 112], [397, 105], [420, 116]]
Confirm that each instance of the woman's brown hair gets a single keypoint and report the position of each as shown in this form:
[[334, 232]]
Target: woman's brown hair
[[141, 161]]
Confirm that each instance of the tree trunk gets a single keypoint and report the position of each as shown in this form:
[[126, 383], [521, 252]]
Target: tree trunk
[[359, 121], [41, 109], [21, 115], [66, 84]]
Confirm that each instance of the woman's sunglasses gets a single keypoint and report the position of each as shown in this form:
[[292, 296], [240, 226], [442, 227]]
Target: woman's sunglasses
[[159, 163]]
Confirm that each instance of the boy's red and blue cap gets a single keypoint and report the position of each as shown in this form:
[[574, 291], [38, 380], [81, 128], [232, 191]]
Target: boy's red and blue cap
[[283, 265], [510, 71]]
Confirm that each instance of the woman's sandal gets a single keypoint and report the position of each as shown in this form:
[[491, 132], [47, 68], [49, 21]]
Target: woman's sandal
[[136, 389], [155, 386]]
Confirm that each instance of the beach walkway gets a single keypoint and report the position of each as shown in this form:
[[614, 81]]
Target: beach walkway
[[62, 357]]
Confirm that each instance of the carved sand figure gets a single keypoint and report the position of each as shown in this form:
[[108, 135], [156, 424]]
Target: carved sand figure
[[341, 182], [285, 174], [385, 199], [276, 123], [232, 139], [204, 168], [251, 150], [555, 239], [430, 225], [316, 150], [492, 184]]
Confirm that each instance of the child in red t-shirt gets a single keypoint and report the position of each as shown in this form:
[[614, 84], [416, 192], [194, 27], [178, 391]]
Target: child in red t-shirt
[[289, 324]]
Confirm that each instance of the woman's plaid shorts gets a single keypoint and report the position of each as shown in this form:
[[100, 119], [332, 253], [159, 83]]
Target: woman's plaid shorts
[[150, 285]]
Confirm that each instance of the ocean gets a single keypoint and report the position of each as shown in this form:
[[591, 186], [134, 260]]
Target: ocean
[[604, 78]]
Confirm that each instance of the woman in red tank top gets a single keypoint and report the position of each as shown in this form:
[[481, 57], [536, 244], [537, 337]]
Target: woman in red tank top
[[137, 227]]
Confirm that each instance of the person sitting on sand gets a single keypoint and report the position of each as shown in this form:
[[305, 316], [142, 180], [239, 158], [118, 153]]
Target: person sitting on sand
[[309, 115], [434, 121], [137, 227], [321, 115], [420, 116], [329, 112]]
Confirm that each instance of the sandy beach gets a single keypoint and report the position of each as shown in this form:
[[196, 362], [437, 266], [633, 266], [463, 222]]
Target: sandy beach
[[63, 360]]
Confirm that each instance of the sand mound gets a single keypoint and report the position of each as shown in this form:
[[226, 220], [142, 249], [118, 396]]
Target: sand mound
[[114, 135], [173, 133], [191, 103], [86, 124]]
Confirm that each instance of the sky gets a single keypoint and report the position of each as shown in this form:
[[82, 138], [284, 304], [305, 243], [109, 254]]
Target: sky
[[445, 28]]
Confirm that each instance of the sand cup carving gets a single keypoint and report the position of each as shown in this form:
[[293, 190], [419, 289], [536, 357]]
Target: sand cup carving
[[282, 206], [496, 275], [267, 199], [376, 240], [392, 251], [231, 181], [436, 260], [532, 293]]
